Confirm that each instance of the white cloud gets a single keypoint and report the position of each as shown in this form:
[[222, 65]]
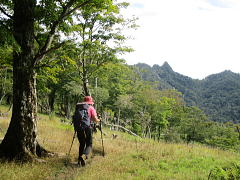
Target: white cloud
[[219, 3], [197, 37]]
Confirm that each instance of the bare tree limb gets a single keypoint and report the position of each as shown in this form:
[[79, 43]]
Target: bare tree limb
[[125, 129]]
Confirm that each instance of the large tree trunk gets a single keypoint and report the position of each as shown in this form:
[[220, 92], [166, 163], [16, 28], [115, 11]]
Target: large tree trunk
[[20, 140]]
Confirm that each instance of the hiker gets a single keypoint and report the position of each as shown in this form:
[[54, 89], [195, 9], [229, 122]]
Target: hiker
[[84, 132]]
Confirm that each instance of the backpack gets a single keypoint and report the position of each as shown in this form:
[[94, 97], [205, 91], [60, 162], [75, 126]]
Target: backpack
[[80, 118]]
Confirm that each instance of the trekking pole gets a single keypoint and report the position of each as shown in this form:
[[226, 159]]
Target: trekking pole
[[103, 153], [72, 143]]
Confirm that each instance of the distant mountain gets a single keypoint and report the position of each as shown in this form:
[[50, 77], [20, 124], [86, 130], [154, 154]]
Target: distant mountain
[[218, 95]]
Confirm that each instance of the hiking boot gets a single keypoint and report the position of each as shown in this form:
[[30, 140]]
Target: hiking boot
[[80, 160]]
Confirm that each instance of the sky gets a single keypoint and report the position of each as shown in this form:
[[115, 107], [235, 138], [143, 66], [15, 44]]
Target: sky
[[196, 37]]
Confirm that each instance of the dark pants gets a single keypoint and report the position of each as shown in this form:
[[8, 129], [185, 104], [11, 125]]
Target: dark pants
[[85, 140]]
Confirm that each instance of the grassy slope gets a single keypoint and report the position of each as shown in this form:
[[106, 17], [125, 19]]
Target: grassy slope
[[126, 157]]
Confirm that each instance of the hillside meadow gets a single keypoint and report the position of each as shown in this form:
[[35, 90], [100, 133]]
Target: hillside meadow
[[126, 157]]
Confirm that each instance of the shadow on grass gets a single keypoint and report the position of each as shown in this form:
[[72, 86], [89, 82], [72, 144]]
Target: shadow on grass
[[98, 152], [69, 163]]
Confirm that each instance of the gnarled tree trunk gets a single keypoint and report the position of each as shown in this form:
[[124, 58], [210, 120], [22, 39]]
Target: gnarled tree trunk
[[20, 140]]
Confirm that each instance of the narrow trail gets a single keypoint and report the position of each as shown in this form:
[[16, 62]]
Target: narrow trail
[[68, 165]]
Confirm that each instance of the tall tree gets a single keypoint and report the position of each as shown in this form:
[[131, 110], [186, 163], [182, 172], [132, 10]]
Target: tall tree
[[34, 24], [99, 38]]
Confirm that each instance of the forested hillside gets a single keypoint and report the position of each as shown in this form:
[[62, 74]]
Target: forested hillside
[[218, 95]]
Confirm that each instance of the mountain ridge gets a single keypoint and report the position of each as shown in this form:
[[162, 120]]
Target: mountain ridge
[[218, 95]]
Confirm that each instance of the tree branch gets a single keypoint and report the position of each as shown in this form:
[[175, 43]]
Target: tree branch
[[66, 12], [46, 64], [78, 6], [5, 13], [125, 129], [40, 56], [37, 40], [96, 68]]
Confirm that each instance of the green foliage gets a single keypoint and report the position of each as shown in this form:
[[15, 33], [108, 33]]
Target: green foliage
[[220, 96], [6, 55], [97, 33], [224, 136], [101, 96], [5, 74], [194, 124], [117, 78], [58, 83], [217, 95], [231, 171]]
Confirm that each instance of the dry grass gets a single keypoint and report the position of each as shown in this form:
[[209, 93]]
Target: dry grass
[[126, 157], [4, 120], [144, 159]]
